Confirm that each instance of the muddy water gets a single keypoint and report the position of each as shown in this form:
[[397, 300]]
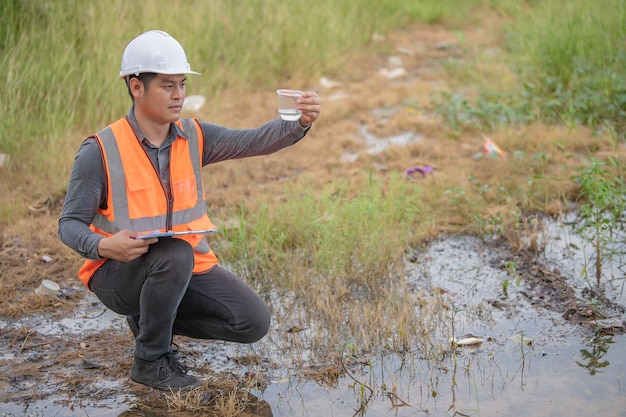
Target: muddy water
[[530, 361], [533, 361]]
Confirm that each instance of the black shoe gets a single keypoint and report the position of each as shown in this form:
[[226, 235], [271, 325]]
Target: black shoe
[[166, 374], [133, 323]]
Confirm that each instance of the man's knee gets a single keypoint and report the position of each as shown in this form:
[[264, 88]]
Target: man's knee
[[173, 255], [258, 328]]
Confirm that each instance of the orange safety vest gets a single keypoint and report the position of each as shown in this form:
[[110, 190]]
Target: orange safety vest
[[136, 199]]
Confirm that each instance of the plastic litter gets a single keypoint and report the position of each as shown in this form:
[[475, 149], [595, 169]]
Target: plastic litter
[[328, 83], [410, 172], [48, 288], [466, 341], [490, 148], [194, 103]]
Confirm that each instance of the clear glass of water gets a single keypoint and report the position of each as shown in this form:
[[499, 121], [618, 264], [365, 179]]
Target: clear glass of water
[[287, 104]]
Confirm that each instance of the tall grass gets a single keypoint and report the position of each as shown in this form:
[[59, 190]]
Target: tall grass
[[59, 60], [602, 211], [341, 256], [334, 232], [569, 59], [575, 53]]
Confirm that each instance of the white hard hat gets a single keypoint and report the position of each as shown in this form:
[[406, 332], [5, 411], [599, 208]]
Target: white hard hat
[[154, 51]]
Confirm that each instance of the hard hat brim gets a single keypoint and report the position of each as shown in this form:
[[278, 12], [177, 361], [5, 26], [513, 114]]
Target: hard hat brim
[[124, 74]]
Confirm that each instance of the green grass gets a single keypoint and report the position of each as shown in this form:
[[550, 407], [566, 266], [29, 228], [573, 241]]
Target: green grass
[[336, 233], [570, 64], [602, 210], [339, 254]]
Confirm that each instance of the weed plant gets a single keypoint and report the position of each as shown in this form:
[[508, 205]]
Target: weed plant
[[603, 197], [339, 234]]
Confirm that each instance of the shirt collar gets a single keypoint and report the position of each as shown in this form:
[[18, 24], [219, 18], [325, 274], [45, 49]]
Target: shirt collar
[[174, 129]]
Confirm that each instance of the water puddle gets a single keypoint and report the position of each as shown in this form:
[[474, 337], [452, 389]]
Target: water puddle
[[517, 355]]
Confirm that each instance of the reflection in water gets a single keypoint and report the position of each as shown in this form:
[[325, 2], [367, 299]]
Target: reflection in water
[[593, 356], [452, 408]]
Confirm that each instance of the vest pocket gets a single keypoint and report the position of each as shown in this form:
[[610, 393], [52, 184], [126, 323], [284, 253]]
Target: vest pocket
[[138, 181], [143, 197], [185, 193]]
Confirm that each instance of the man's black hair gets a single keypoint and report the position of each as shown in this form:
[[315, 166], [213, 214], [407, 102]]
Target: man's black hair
[[144, 77]]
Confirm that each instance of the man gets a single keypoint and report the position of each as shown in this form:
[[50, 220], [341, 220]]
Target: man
[[143, 173]]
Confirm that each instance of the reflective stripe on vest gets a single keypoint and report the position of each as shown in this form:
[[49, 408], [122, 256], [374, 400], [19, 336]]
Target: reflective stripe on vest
[[154, 217], [136, 199]]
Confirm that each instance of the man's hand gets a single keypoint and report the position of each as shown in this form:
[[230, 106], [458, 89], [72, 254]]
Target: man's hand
[[310, 106], [123, 246]]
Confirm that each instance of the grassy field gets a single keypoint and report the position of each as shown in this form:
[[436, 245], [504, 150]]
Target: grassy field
[[551, 89], [560, 65]]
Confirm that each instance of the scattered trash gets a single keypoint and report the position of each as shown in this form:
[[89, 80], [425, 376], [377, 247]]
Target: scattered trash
[[328, 83], [467, 341], [194, 103], [67, 293], [393, 74], [421, 170], [46, 258], [48, 289], [521, 340], [394, 62], [490, 148], [4, 160], [405, 51]]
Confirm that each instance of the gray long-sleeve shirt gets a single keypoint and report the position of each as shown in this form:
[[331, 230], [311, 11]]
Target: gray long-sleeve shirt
[[87, 187]]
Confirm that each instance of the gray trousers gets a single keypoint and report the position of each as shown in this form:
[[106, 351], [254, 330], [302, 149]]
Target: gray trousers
[[160, 288]]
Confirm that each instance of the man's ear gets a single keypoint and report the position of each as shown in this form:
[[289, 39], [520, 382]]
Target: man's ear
[[135, 86]]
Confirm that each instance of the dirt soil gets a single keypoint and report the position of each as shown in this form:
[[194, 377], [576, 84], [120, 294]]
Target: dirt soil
[[387, 92]]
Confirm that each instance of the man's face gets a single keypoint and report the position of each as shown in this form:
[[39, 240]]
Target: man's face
[[162, 98]]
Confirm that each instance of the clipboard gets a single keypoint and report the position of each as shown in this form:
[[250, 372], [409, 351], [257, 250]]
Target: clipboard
[[171, 233]]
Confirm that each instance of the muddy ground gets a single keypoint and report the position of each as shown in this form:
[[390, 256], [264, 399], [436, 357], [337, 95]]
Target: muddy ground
[[385, 94]]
